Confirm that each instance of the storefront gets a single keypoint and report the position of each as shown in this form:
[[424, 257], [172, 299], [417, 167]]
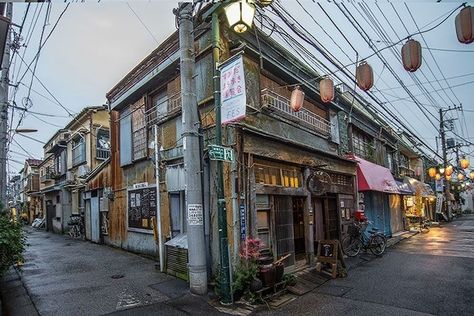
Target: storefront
[[397, 213], [375, 185], [420, 205]]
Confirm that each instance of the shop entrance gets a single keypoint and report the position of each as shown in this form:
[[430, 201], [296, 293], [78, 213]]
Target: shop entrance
[[298, 227], [326, 217]]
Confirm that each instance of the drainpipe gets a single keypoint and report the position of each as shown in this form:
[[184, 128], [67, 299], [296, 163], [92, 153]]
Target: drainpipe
[[158, 198]]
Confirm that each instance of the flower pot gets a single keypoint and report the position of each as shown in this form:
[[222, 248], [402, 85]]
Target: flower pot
[[256, 285], [267, 275]]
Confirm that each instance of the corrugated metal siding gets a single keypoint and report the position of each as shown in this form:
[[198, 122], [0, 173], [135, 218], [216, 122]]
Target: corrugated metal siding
[[175, 180], [125, 137]]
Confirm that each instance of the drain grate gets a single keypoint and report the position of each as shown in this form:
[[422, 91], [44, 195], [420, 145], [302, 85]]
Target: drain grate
[[117, 276]]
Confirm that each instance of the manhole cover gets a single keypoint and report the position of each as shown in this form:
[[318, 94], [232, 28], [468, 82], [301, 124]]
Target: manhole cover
[[117, 276]]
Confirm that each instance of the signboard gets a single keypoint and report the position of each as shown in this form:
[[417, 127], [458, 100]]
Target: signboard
[[233, 95], [221, 153], [195, 216], [439, 203], [329, 252], [242, 222], [439, 185], [141, 207]]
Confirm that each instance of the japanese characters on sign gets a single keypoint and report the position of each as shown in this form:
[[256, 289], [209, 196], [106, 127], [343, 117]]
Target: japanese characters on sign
[[233, 96]]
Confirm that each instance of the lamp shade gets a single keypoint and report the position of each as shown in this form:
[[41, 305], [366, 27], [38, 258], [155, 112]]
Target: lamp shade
[[449, 170], [438, 176], [364, 76], [465, 25], [442, 170], [432, 172], [326, 88], [448, 178], [297, 99], [464, 163], [460, 176], [240, 15], [411, 55]]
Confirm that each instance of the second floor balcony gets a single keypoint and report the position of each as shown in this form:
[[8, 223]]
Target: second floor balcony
[[281, 106]]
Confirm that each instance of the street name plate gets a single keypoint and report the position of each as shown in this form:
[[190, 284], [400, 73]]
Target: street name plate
[[221, 153]]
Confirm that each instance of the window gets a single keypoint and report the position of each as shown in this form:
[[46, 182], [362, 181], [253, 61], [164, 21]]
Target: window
[[139, 137], [103, 144], [60, 162], [273, 174], [78, 150], [263, 219], [363, 145]]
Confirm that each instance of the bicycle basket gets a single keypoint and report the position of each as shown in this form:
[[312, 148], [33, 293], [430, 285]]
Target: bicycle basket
[[353, 230]]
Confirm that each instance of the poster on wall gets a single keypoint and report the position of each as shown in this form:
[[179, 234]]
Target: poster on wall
[[141, 207], [233, 94]]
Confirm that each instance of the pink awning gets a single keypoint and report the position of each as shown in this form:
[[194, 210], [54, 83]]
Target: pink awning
[[372, 177]]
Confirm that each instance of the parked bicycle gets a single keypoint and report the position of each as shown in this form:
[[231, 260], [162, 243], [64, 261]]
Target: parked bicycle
[[424, 226], [356, 240], [76, 229]]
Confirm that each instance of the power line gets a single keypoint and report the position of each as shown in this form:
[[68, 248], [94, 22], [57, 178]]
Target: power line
[[426, 82], [143, 24]]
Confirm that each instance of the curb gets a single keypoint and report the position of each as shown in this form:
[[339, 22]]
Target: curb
[[14, 296], [395, 240]]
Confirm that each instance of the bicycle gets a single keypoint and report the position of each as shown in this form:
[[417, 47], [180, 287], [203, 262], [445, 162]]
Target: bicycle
[[356, 239], [424, 226], [76, 229]]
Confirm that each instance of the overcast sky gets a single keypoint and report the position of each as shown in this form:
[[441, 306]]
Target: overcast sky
[[96, 44]]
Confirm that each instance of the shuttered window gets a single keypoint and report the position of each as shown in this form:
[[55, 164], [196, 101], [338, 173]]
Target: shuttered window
[[125, 137], [139, 130]]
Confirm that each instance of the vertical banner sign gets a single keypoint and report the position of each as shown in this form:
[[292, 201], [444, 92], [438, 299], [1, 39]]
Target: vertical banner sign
[[439, 185], [242, 222], [233, 95], [439, 202]]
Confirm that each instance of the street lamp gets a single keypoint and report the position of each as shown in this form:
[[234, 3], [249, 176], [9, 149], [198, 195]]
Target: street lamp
[[240, 15]]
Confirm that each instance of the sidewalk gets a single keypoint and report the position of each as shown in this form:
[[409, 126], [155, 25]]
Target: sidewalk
[[14, 299]]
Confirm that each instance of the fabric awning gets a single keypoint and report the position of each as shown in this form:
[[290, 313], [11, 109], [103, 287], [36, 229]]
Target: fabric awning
[[372, 177], [404, 188], [418, 187]]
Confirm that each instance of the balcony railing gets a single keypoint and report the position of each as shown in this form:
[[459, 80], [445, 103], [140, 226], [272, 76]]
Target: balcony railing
[[102, 154], [173, 105], [281, 105]]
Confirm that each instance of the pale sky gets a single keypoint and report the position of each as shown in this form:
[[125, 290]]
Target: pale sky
[[96, 44]]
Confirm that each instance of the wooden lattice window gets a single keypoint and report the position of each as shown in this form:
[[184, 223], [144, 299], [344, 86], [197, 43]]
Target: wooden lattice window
[[139, 135]]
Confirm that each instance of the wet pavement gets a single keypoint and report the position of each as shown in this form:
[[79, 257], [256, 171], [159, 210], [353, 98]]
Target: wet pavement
[[72, 277], [427, 274]]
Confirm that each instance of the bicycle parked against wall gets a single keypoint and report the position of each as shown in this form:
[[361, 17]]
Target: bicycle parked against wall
[[76, 227], [356, 240]]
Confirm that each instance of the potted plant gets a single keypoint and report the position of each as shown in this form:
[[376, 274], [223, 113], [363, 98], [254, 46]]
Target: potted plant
[[245, 275]]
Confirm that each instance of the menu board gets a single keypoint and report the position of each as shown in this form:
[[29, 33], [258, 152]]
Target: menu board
[[141, 207]]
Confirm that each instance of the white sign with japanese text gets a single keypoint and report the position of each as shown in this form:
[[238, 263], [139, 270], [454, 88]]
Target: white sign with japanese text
[[233, 96]]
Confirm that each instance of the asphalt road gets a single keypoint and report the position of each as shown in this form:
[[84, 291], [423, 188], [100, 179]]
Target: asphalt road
[[426, 274], [70, 277]]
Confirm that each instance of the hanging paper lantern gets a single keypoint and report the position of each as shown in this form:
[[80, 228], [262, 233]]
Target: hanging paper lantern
[[364, 76], [449, 170], [448, 178], [297, 98], [471, 175], [460, 176], [465, 25], [411, 55], [326, 89], [464, 163], [438, 177], [432, 172], [441, 170]]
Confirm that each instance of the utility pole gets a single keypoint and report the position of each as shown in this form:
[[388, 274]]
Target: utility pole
[[224, 273], [194, 208], [446, 187], [4, 84]]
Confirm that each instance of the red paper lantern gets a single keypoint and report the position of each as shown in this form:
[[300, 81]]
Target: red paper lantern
[[464, 163], [411, 55], [438, 176], [297, 98], [465, 25], [449, 170], [326, 89], [364, 76]]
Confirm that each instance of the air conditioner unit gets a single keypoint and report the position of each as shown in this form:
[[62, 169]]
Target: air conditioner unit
[[69, 176], [83, 170]]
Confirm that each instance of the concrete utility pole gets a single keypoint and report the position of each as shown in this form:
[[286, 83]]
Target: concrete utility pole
[[4, 112], [192, 166]]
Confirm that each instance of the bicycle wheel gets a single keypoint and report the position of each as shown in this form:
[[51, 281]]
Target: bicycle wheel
[[377, 244], [351, 246]]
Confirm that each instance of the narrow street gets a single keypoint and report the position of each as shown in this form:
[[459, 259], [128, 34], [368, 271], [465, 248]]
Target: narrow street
[[428, 273], [72, 277]]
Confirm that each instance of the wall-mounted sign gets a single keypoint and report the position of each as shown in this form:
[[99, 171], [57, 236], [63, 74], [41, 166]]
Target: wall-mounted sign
[[243, 224], [195, 216], [233, 95]]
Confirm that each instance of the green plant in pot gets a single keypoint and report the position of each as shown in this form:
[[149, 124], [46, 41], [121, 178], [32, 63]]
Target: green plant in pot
[[245, 279]]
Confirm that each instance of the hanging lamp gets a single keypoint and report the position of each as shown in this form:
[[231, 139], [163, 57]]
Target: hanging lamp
[[465, 25], [411, 55], [297, 99], [326, 89], [464, 163], [364, 76]]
